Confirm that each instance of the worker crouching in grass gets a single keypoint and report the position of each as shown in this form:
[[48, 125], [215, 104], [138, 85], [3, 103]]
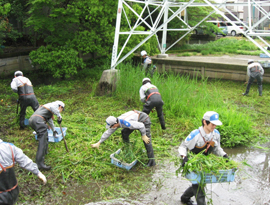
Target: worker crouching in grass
[[130, 121], [206, 139]]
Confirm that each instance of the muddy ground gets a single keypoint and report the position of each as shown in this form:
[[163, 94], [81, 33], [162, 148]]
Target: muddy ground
[[251, 185]]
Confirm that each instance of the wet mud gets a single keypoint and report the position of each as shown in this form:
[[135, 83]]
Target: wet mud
[[251, 185]]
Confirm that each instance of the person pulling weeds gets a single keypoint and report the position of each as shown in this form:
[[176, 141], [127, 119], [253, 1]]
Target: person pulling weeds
[[9, 190], [147, 62], [38, 122], [206, 139], [151, 98], [24, 88], [130, 121]]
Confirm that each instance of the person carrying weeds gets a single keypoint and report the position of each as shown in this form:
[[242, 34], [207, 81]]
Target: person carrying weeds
[[206, 139], [151, 98], [254, 71], [38, 122], [24, 88], [9, 190], [147, 62], [130, 121]]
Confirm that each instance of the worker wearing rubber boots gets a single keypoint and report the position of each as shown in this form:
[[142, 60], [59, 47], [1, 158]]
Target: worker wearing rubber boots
[[9, 190], [206, 139], [147, 62], [254, 71], [130, 121], [151, 98], [24, 88], [38, 122]]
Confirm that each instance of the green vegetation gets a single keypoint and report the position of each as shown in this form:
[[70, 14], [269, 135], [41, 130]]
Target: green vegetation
[[84, 168], [221, 46]]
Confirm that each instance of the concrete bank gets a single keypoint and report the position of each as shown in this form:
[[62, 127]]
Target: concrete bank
[[221, 67]]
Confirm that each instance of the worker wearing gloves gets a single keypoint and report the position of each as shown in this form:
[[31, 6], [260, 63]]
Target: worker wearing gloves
[[151, 98], [24, 88], [254, 71], [147, 62], [206, 139], [38, 122], [9, 190], [130, 121]]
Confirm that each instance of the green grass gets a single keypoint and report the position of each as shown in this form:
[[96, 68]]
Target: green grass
[[86, 169]]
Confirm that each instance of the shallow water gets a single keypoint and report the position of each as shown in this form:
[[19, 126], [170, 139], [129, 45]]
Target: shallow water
[[251, 185]]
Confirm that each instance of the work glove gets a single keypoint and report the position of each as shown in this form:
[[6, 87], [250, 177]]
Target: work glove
[[42, 177], [185, 159], [59, 120], [146, 139], [55, 133], [95, 145], [227, 158]]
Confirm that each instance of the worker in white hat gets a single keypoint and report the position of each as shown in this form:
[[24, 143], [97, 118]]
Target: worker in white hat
[[254, 71], [130, 121], [147, 62], [151, 98], [24, 88], [45, 114], [9, 190], [206, 139]]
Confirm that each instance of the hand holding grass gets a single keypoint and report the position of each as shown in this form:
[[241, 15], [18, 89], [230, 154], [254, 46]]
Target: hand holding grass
[[146, 139], [96, 145]]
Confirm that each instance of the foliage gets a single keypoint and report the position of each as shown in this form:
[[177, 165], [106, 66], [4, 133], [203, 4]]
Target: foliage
[[4, 25], [60, 61], [199, 163]]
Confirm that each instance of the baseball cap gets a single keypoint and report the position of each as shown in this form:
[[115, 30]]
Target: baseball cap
[[250, 61], [18, 73], [213, 117], [111, 120], [61, 104], [143, 53]]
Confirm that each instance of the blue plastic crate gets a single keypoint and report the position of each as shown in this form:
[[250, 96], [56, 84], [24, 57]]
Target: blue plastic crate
[[263, 55], [58, 137], [26, 122], [120, 164], [222, 176]]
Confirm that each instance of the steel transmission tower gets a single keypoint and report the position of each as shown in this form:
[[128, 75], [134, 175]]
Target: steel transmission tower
[[167, 14]]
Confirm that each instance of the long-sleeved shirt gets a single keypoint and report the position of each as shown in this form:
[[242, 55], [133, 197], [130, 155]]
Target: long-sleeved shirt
[[53, 107], [143, 89], [146, 62], [127, 120], [195, 138], [19, 81], [255, 66], [19, 157]]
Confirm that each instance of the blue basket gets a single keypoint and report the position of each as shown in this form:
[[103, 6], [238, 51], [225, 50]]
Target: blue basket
[[263, 55], [222, 176], [58, 137], [120, 164]]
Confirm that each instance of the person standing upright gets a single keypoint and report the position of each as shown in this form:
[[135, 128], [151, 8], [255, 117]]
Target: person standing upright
[[254, 71], [24, 88], [38, 122], [151, 98], [147, 62]]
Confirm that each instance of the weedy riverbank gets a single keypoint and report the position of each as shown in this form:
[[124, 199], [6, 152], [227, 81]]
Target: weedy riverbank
[[85, 174]]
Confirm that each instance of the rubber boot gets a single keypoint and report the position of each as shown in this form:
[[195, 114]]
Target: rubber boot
[[22, 125], [185, 198], [150, 154], [162, 123], [41, 152], [247, 90], [260, 90]]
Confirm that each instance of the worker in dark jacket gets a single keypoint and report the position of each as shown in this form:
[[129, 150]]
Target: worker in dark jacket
[[151, 98], [9, 154], [147, 63], [254, 71], [38, 122], [130, 121], [24, 88]]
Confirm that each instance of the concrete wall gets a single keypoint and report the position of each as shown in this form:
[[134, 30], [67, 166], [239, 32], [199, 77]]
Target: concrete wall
[[10, 65]]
